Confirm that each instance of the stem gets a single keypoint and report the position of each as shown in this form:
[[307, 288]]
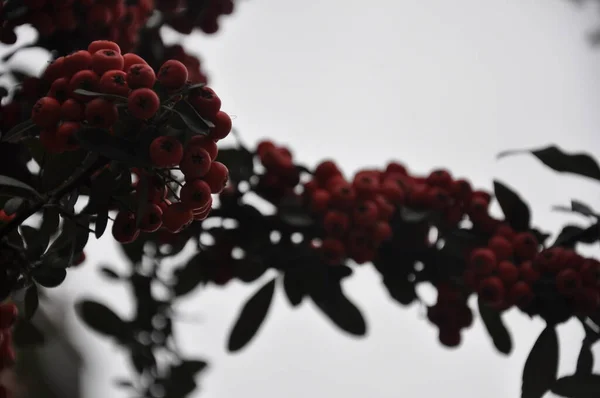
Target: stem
[[54, 196]]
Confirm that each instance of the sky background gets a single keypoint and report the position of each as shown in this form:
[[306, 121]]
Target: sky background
[[430, 83]]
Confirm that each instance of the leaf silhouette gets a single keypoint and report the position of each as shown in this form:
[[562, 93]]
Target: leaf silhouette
[[514, 208], [541, 367], [102, 319], [496, 328], [341, 311], [578, 386]]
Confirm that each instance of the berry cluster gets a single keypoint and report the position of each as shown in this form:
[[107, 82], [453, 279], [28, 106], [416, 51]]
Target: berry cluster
[[191, 62], [117, 20], [281, 175], [8, 317], [185, 15], [512, 270], [450, 314]]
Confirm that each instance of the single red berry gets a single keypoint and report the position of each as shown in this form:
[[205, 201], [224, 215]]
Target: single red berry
[[336, 223], [140, 75], [71, 110], [105, 60], [8, 315], [326, 170], [551, 260], [528, 273], [54, 70], [483, 261], [461, 189], [365, 213], [83, 80], [101, 113], [438, 198], [152, 219], [520, 294], [203, 213], [195, 194], [264, 146], [333, 251], [205, 101], [217, 177], [172, 75], [156, 189], [80, 259], [491, 291], [5, 217], [206, 143], [124, 229], [131, 59], [143, 103], [365, 185], [385, 208], [166, 152], [508, 272], [60, 89], [477, 208], [393, 191], [382, 231], [343, 196], [525, 246], [319, 201], [505, 231], [176, 216], [195, 163], [66, 135], [114, 82], [440, 178], [46, 112], [395, 167], [568, 282], [222, 128], [98, 45], [502, 247], [77, 61]]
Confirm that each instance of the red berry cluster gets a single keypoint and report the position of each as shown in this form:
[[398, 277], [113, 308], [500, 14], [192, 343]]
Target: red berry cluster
[[191, 62], [117, 20], [281, 175], [450, 314], [8, 317], [511, 268], [184, 15]]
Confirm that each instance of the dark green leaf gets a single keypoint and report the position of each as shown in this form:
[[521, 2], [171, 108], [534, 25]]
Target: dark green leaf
[[515, 210], [541, 367], [343, 313], [31, 301], [553, 157], [35, 245], [191, 275], [115, 148], [100, 224], [21, 131], [109, 273], [582, 208], [578, 386], [12, 187], [12, 205], [59, 167], [49, 277], [26, 334], [572, 234], [293, 286], [240, 163], [188, 115], [88, 93], [103, 320], [251, 317], [585, 361], [495, 327], [50, 223]]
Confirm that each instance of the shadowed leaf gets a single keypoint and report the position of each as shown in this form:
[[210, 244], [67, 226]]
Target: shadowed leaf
[[578, 386], [102, 319], [496, 328], [514, 208], [343, 313], [541, 367]]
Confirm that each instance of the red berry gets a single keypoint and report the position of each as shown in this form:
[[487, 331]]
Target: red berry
[[385, 208], [46, 112], [66, 135], [195, 163], [176, 217], [166, 152], [393, 191], [114, 82], [491, 291], [5, 217], [440, 178], [365, 185], [105, 60], [195, 194], [206, 143], [525, 246], [152, 219], [483, 261], [382, 231], [263, 147], [205, 101], [508, 272], [501, 247], [140, 75], [83, 80], [365, 213], [217, 177], [326, 170], [54, 70], [438, 198], [203, 213], [143, 103], [77, 61], [336, 223], [461, 189], [222, 128], [551, 260], [131, 59], [101, 113], [172, 75], [505, 231], [568, 282], [124, 229], [343, 196], [8, 315], [395, 167], [333, 251], [528, 273], [60, 89], [520, 294], [98, 45], [71, 110], [319, 201]]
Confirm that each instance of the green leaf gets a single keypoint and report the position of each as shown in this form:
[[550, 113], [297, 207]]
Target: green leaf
[[58, 168], [36, 243], [88, 93], [343, 313], [578, 386], [293, 286], [191, 275], [582, 208], [13, 187], [12, 205], [514, 208], [102, 320], [109, 273], [575, 163], [251, 317], [31, 301], [496, 328], [101, 142], [572, 234], [49, 277], [541, 367], [20, 132], [239, 161], [188, 115], [585, 361]]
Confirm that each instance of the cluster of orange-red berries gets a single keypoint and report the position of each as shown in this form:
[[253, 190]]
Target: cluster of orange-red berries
[[450, 314], [8, 317], [117, 20]]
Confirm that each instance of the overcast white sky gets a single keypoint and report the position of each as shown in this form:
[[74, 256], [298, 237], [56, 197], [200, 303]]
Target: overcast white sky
[[432, 83]]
